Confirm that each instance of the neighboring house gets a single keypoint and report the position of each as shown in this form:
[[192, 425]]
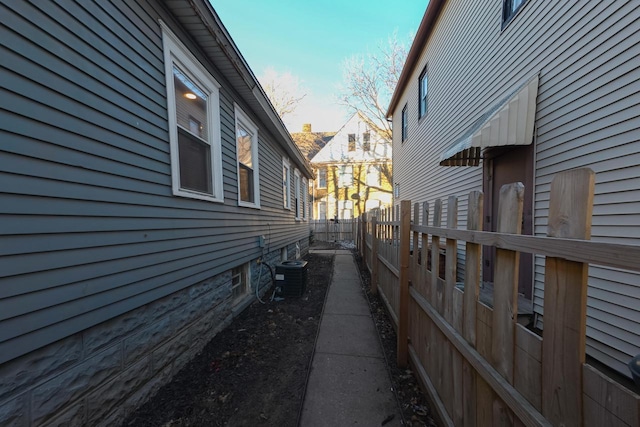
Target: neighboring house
[[141, 170], [514, 90], [353, 172], [310, 142]]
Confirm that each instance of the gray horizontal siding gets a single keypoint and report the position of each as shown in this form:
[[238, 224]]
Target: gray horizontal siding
[[587, 116], [89, 226]]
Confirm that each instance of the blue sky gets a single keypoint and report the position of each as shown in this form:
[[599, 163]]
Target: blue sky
[[311, 39]]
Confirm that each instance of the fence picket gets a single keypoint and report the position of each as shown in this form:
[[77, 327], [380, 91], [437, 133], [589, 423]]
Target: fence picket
[[473, 260], [565, 300], [505, 288], [436, 287], [374, 255]]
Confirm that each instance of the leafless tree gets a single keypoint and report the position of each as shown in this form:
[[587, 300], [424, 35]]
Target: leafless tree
[[369, 81], [285, 91]]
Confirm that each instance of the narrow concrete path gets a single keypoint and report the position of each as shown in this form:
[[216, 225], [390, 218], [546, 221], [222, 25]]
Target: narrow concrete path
[[349, 383]]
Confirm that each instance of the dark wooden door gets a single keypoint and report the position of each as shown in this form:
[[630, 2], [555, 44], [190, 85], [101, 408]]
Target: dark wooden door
[[505, 165]]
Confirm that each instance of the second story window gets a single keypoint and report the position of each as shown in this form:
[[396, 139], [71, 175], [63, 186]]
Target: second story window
[[509, 10], [366, 141], [423, 90], [322, 178], [346, 176], [405, 124], [352, 142]]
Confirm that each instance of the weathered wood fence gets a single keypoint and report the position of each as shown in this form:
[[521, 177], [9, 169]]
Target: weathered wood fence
[[478, 365], [334, 231]]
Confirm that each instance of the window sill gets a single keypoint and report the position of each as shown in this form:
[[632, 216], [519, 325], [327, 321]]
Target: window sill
[[248, 205], [199, 196]]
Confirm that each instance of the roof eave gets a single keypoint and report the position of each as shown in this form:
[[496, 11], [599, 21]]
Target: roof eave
[[424, 32], [219, 34]]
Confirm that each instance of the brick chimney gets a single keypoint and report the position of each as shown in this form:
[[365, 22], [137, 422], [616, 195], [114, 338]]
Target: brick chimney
[[306, 127]]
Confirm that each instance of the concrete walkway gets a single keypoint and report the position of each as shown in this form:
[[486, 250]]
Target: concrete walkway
[[349, 383]]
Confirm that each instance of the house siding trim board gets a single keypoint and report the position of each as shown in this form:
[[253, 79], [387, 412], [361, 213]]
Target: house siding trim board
[[586, 116]]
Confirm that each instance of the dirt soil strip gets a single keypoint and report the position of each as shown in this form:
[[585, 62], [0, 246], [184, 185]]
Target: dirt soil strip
[[254, 372]]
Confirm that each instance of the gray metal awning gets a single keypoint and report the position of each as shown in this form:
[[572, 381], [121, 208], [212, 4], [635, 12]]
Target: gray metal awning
[[509, 122]]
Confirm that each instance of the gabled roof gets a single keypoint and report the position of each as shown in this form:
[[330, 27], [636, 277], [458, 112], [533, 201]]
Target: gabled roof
[[336, 150], [205, 28], [424, 32], [311, 142]]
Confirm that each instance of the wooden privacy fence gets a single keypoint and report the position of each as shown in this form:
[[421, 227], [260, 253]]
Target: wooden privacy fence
[[477, 363], [334, 231]]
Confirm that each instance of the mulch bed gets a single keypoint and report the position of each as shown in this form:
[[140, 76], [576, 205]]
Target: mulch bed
[[254, 372]]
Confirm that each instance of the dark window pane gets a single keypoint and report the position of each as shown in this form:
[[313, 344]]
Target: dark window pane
[[246, 184], [195, 163]]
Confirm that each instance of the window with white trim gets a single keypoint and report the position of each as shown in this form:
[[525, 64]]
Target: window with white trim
[[239, 281], [423, 92], [322, 210], [322, 178], [346, 176], [352, 142], [303, 196], [286, 183], [193, 106], [509, 10], [247, 155], [373, 176], [366, 141], [345, 209], [404, 123], [296, 193]]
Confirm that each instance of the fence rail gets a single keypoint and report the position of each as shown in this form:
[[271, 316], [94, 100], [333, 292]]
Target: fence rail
[[477, 363]]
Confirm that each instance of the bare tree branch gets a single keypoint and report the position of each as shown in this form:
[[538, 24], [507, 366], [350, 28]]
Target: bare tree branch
[[369, 81], [285, 91]]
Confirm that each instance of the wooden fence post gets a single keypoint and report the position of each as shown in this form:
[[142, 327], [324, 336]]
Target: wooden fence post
[[374, 255], [565, 300], [403, 312]]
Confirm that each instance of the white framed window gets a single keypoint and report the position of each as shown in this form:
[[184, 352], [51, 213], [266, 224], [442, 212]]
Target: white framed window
[[423, 89], [345, 209], [305, 191], [373, 176], [239, 282], [296, 194], [404, 123], [366, 141], [509, 10], [322, 178], [193, 107], [286, 183], [322, 210], [247, 156], [352, 142], [346, 176]]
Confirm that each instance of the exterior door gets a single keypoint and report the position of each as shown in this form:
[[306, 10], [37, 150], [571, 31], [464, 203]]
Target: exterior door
[[505, 165]]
